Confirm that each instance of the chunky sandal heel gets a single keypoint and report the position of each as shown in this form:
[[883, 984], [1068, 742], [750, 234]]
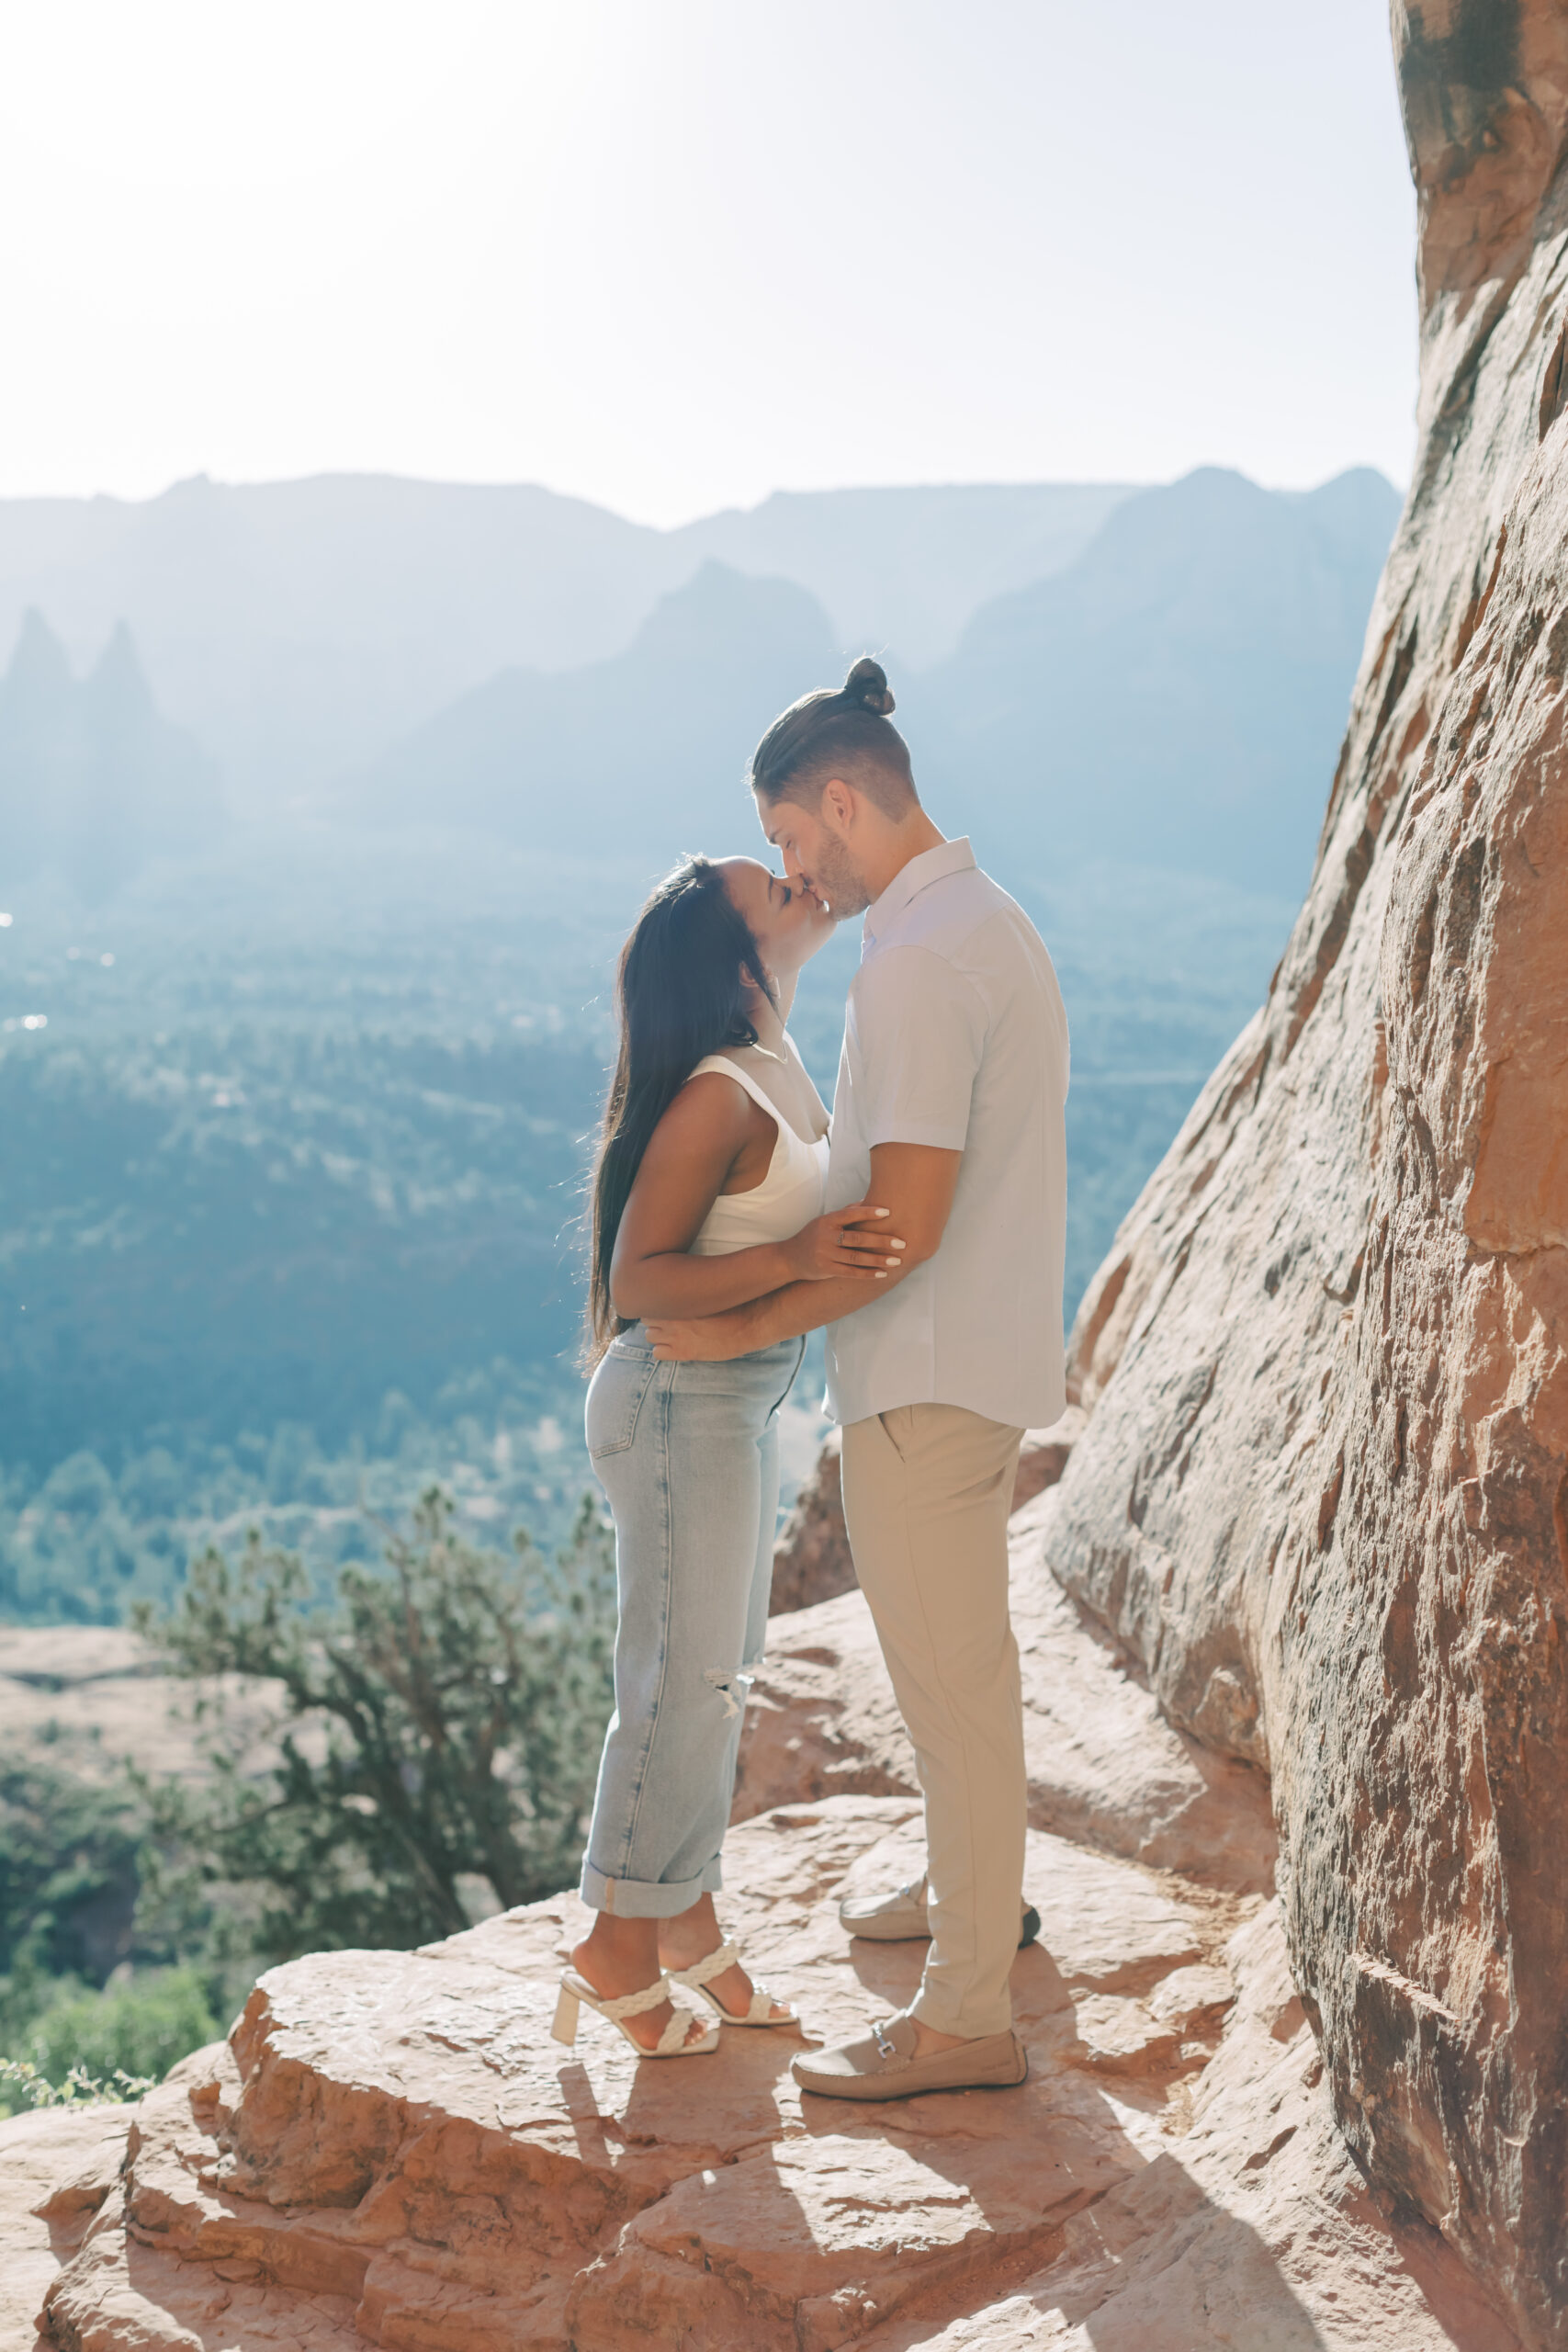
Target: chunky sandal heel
[[714, 1963], [577, 1993]]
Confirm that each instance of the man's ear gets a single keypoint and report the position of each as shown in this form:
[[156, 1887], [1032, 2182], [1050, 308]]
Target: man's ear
[[838, 805]]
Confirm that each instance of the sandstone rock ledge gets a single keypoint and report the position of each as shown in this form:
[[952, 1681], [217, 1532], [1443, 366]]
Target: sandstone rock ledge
[[389, 2149]]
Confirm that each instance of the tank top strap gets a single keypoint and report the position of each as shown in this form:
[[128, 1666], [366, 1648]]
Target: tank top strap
[[742, 1077]]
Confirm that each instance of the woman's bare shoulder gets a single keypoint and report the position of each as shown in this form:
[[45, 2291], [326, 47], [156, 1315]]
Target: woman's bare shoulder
[[710, 1106]]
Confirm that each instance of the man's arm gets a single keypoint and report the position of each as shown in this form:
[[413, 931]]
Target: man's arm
[[915, 1180], [691, 1153]]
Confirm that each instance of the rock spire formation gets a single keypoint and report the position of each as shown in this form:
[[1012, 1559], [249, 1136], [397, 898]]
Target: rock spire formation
[[94, 780], [1322, 1494]]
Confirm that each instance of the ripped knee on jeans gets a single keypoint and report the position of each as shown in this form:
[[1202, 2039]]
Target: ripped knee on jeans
[[733, 1684]]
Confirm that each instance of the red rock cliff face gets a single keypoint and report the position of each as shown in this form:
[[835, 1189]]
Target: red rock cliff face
[[1322, 1494]]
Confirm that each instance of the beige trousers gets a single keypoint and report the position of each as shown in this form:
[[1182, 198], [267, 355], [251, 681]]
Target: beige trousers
[[927, 1493]]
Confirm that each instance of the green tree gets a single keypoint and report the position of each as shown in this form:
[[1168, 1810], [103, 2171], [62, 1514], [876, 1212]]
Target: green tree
[[68, 1850], [442, 1724]]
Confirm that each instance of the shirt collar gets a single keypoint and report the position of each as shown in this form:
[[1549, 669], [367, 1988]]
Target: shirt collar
[[931, 865]]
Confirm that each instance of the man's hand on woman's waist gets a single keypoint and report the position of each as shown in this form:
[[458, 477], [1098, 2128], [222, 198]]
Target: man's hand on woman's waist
[[706, 1339]]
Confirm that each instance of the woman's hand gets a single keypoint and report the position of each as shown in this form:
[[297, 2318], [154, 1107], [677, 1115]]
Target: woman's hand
[[830, 1245]]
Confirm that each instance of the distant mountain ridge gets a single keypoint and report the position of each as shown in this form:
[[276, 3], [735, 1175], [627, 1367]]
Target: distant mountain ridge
[[1166, 669], [1177, 694], [646, 750], [301, 627]]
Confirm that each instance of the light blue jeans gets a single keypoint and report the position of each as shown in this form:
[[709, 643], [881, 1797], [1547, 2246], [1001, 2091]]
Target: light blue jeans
[[688, 1455]]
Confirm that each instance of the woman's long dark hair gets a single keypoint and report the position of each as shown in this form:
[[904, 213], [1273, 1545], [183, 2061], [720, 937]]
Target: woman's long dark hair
[[679, 995]]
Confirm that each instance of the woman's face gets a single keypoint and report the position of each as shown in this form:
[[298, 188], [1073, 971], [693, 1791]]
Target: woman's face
[[788, 924]]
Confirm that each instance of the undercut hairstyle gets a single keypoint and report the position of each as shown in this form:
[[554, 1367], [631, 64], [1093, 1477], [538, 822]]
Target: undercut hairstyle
[[839, 730], [679, 994]]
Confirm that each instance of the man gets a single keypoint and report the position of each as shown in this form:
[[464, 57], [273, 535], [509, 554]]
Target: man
[[949, 1114]]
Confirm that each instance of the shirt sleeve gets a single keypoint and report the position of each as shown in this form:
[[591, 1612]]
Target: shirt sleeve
[[920, 1031]]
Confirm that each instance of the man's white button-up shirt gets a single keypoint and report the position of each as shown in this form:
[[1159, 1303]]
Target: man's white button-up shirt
[[956, 1034]]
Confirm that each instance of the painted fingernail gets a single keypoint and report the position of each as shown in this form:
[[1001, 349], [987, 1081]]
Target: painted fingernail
[[881, 1278], [884, 1212], [897, 1244]]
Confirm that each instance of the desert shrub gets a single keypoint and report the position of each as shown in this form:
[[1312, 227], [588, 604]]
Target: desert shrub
[[23, 2085], [138, 2028], [442, 1725]]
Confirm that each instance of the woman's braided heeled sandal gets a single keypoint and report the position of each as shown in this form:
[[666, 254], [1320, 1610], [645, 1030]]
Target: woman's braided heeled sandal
[[576, 1992], [714, 1963]]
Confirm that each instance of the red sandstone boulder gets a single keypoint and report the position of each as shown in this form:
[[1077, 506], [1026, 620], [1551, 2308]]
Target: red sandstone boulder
[[811, 1558], [390, 2150], [57, 2169], [1320, 1501]]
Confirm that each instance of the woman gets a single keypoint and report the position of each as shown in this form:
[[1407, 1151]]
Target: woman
[[709, 1192]]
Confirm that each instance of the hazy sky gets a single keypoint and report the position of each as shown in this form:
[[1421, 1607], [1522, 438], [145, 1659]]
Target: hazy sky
[[671, 255]]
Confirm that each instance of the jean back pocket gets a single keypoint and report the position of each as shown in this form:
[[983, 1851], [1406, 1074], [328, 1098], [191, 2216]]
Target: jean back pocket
[[614, 1400]]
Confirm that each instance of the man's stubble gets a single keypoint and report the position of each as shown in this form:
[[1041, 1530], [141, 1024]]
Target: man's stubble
[[838, 881]]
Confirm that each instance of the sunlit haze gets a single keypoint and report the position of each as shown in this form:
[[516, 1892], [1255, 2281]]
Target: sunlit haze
[[674, 258]]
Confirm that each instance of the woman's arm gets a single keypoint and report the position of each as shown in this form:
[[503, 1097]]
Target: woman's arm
[[693, 1151], [917, 1180]]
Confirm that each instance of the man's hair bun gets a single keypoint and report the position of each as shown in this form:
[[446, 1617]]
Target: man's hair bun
[[837, 730], [867, 685]]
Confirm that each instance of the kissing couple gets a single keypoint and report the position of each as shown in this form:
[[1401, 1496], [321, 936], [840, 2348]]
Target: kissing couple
[[923, 1226]]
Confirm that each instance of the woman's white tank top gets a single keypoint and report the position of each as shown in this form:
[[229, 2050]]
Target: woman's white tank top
[[794, 1191]]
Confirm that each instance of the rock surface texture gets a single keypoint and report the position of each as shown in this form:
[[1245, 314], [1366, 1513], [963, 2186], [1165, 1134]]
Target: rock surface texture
[[1320, 1493], [811, 1558], [390, 2149], [56, 2169]]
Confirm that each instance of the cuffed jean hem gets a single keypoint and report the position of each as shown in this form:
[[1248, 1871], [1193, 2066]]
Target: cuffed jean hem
[[635, 1898]]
